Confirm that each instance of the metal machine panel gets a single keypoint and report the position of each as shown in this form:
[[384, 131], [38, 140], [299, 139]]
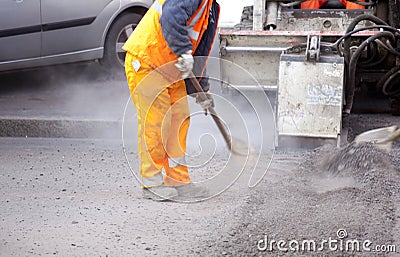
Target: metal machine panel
[[310, 97], [257, 53]]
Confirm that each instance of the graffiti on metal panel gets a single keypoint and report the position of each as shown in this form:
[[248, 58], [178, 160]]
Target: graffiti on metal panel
[[324, 95]]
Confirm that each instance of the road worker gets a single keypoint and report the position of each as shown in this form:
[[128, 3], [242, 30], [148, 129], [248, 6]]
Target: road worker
[[316, 4], [313, 4], [352, 5], [171, 32]]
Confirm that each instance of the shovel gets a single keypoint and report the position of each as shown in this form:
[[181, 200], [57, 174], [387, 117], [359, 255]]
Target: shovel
[[236, 146], [382, 138]]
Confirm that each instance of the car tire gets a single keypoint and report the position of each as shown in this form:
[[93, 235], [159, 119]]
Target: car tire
[[114, 56]]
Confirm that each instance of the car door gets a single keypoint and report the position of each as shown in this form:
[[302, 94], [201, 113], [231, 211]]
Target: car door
[[20, 30], [70, 26]]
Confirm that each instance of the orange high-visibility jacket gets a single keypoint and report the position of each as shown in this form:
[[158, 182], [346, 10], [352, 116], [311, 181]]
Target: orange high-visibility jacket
[[316, 4], [149, 44], [351, 5], [312, 4]]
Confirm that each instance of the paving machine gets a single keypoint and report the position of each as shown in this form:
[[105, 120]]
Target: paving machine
[[320, 65]]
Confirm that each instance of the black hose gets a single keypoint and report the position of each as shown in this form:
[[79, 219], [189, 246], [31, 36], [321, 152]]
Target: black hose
[[385, 85], [335, 45], [388, 47], [372, 52], [352, 68], [351, 71], [388, 88], [350, 28], [370, 63], [337, 42], [377, 62], [348, 34]]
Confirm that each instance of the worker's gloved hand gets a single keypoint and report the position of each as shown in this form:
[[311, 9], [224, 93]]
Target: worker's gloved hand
[[205, 103], [185, 64]]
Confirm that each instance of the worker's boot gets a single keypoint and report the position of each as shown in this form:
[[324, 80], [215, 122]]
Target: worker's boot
[[159, 193], [191, 190]]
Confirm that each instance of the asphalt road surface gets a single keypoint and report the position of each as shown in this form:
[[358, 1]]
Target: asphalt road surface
[[76, 195]]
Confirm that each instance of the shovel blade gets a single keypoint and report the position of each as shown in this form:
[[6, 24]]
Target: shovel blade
[[382, 138], [240, 147]]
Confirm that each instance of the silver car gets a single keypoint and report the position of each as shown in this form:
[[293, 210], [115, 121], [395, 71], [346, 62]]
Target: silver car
[[36, 33]]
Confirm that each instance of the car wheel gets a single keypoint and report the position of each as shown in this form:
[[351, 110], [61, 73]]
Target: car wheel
[[119, 32]]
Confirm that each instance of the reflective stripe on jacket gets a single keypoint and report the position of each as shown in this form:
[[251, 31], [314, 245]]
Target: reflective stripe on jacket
[[204, 49]]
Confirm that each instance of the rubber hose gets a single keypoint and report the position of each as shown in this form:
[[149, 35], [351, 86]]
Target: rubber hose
[[386, 88], [352, 68], [372, 52], [383, 56], [390, 49], [377, 62], [349, 34], [384, 82], [353, 24], [350, 80]]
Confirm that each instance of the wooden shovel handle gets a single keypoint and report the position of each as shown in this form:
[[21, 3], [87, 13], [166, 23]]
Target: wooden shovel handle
[[214, 115]]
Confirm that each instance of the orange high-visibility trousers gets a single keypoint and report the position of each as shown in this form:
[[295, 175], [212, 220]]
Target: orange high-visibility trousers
[[312, 4], [163, 122], [351, 5]]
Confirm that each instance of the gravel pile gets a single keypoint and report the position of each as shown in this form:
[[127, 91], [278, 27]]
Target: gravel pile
[[313, 196], [354, 159], [371, 167]]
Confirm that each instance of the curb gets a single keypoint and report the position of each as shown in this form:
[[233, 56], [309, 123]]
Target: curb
[[59, 128]]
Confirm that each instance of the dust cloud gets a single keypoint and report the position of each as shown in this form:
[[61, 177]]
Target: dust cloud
[[88, 99]]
